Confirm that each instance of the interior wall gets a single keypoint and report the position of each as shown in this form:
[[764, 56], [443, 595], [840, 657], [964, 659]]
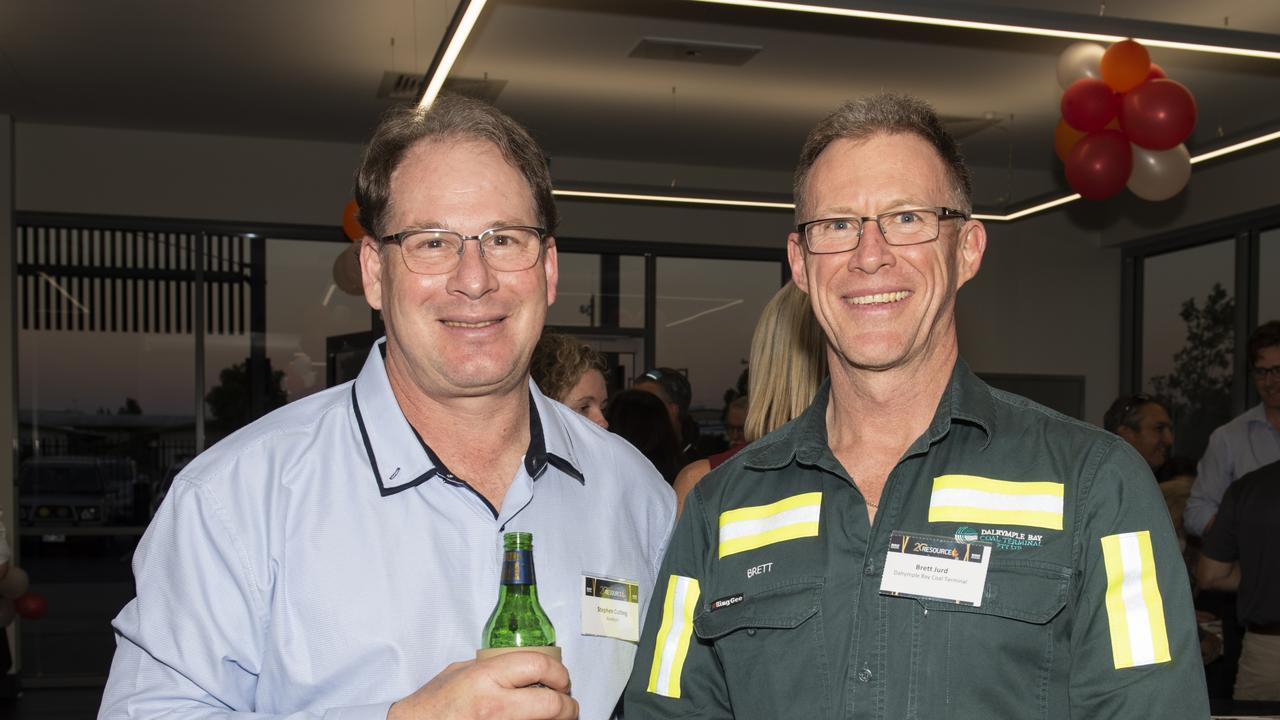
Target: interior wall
[[111, 171], [1045, 301]]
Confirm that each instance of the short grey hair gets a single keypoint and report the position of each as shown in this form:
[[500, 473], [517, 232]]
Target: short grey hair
[[885, 113]]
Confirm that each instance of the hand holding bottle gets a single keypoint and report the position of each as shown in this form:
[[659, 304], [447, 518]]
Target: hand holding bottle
[[506, 686]]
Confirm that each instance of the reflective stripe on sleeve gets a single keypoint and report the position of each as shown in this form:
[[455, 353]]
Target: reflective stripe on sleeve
[[674, 634], [751, 527], [1135, 611], [970, 498]]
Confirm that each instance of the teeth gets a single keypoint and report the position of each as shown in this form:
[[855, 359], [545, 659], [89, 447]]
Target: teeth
[[458, 324], [880, 298]]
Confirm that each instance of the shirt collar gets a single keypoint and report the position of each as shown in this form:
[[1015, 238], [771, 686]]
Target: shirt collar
[[1257, 414], [399, 459], [967, 400]]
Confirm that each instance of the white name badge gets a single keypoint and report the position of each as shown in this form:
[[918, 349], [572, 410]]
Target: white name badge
[[611, 608], [935, 568]]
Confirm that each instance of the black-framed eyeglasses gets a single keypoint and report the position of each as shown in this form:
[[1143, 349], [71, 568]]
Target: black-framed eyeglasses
[[429, 251], [899, 227], [1264, 374]]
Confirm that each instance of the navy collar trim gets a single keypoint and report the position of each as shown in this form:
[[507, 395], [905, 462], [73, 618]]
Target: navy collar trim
[[536, 457]]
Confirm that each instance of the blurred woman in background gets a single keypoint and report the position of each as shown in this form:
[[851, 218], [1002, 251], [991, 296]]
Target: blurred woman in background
[[569, 371], [642, 419], [788, 362]]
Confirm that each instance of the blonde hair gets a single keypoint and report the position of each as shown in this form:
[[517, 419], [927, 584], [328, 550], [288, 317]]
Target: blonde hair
[[788, 362]]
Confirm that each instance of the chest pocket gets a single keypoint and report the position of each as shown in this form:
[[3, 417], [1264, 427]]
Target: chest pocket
[[1014, 623], [772, 650]]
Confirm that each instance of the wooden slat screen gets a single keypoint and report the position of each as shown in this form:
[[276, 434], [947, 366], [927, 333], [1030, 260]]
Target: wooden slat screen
[[94, 280]]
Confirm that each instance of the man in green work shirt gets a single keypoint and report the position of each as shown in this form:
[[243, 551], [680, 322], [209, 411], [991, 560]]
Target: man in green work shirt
[[916, 544]]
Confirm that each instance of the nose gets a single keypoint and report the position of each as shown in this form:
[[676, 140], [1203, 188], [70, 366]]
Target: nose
[[473, 277], [872, 252]]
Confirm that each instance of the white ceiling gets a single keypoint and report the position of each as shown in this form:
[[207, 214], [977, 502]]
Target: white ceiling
[[309, 69]]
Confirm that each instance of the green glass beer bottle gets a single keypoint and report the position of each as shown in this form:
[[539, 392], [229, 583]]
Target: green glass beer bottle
[[518, 621]]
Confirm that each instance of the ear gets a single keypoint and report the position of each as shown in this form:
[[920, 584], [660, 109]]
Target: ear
[[551, 267], [973, 244], [1127, 433], [796, 256], [371, 272]]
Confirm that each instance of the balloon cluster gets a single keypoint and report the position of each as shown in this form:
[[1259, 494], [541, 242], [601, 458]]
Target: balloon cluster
[[1123, 123]]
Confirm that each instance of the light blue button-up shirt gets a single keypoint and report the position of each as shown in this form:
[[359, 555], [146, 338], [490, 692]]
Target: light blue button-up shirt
[[1241, 446], [322, 562]]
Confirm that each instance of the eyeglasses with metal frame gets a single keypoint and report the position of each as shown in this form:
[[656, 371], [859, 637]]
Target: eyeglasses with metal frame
[[914, 226], [431, 251], [1264, 374]]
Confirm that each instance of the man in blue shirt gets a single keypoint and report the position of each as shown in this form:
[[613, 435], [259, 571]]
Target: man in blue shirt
[[1248, 442], [339, 557]]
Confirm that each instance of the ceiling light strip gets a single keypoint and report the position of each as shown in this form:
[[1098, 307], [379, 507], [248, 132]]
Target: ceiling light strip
[[678, 199], [1031, 210], [460, 34], [1237, 147], [1047, 205], [991, 27]]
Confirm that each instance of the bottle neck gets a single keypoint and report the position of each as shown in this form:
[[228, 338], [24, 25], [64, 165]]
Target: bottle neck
[[517, 569]]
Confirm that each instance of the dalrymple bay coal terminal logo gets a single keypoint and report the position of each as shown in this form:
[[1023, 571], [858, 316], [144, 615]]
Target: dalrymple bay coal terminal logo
[[966, 534]]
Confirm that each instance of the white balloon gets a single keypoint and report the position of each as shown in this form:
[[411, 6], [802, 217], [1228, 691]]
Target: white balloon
[[1080, 60], [15, 583], [1159, 174]]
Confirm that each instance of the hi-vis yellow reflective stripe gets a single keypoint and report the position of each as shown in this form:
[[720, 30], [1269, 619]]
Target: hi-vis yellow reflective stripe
[[969, 498], [1135, 610], [751, 527], [672, 644]]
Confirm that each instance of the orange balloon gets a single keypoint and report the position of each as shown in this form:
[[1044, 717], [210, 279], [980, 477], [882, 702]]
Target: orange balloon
[[1064, 137], [1125, 65], [351, 222]]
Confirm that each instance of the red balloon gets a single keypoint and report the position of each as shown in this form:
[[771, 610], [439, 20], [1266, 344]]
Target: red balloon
[[1088, 105], [1156, 72], [31, 606], [1098, 165], [1158, 114]]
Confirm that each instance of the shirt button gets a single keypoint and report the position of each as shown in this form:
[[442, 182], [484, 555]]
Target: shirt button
[[864, 675], [869, 569], [751, 632]]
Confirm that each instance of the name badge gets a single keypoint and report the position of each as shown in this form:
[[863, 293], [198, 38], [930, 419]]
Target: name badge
[[611, 608], [935, 568]]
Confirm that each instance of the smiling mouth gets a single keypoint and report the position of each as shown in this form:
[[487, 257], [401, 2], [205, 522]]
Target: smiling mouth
[[469, 325], [881, 298]]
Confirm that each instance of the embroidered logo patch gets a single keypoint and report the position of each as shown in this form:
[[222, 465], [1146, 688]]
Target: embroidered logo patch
[[1004, 539], [725, 602]]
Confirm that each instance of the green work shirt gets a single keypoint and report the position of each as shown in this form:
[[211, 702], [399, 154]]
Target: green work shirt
[[769, 602]]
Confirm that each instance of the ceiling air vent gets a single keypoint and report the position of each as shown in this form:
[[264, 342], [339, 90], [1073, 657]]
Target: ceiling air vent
[[407, 87], [698, 51], [400, 86]]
